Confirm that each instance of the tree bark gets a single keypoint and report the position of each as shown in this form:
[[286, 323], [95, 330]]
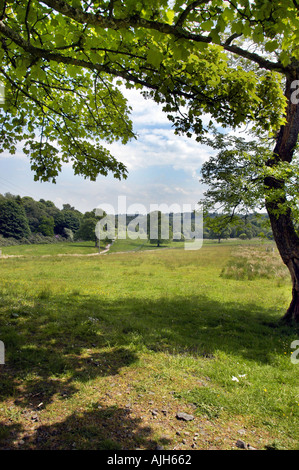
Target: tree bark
[[285, 235]]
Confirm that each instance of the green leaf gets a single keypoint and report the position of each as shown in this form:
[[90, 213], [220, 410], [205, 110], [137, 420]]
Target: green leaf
[[154, 57], [170, 16], [285, 58], [76, 4], [271, 46], [207, 25]]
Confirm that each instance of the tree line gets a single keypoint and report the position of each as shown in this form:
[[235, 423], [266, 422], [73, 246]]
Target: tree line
[[25, 220]]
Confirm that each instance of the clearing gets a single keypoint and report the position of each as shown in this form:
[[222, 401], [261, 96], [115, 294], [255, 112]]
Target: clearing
[[102, 352]]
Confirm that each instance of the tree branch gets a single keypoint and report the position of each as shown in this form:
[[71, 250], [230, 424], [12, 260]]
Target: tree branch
[[231, 39], [136, 21], [67, 60], [26, 20], [188, 9]]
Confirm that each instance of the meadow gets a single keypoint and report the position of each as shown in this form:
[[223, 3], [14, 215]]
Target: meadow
[[102, 352]]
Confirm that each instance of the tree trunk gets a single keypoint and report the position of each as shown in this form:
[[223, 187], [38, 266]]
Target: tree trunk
[[284, 232], [287, 243]]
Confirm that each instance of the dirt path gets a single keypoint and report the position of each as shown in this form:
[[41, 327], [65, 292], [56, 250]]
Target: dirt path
[[58, 254], [105, 251]]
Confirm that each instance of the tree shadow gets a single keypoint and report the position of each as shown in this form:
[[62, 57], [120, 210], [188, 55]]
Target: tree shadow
[[51, 372], [56, 343], [102, 428]]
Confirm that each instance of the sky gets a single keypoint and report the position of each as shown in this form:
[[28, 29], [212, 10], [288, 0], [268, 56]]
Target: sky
[[162, 169]]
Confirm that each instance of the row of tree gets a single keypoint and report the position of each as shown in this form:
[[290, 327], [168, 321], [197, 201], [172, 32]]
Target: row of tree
[[22, 218]]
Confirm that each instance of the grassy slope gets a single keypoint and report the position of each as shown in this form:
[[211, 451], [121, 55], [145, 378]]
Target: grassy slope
[[94, 345]]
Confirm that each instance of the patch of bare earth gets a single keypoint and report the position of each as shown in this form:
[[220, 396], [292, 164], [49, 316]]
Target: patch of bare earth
[[118, 414]]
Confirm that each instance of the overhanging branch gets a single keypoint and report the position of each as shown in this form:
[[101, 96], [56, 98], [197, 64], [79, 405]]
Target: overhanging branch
[[135, 21]]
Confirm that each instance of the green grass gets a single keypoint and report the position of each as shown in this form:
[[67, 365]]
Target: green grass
[[51, 249], [86, 335], [255, 262], [140, 244], [128, 244]]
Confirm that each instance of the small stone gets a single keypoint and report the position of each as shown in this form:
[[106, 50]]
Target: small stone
[[184, 441], [184, 416], [240, 444], [249, 447], [154, 412], [159, 447]]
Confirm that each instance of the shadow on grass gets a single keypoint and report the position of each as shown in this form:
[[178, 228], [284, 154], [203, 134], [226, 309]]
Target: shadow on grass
[[102, 428], [62, 341]]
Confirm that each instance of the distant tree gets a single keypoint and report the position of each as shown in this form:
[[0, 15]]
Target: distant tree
[[158, 230], [243, 236], [46, 227], [219, 226], [72, 218], [69, 234], [35, 212], [59, 224], [47, 203], [13, 220], [87, 227], [86, 230], [51, 210]]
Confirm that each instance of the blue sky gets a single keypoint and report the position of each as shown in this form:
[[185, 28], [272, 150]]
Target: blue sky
[[163, 168]]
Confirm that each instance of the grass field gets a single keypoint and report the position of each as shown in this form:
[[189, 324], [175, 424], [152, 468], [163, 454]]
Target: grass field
[[102, 352], [51, 249]]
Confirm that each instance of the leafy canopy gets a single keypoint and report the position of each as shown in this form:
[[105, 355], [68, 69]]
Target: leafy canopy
[[63, 61]]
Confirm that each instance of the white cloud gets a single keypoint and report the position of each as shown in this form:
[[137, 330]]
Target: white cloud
[[161, 147], [157, 144], [163, 167]]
